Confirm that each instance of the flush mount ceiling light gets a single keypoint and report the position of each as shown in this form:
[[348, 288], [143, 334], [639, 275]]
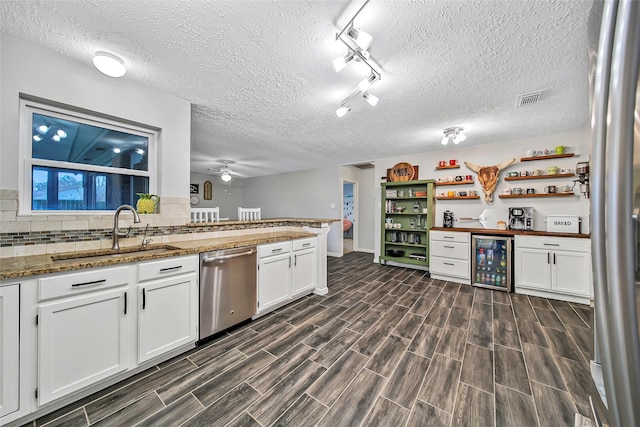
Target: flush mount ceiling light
[[358, 43], [109, 64], [454, 135]]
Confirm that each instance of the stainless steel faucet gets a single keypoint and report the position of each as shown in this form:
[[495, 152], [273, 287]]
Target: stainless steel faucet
[[117, 233]]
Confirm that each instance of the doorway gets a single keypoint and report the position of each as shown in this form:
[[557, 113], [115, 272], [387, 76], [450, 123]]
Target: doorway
[[349, 215]]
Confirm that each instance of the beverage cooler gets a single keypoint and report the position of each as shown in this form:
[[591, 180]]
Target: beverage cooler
[[492, 265]]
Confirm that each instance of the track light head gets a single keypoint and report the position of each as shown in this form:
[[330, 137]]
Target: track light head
[[341, 62], [371, 99], [362, 39], [343, 111]]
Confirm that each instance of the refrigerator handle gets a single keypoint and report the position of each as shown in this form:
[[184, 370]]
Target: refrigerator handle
[[623, 330], [602, 350]]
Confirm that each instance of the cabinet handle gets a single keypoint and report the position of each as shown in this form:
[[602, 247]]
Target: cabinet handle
[[450, 247], [289, 261], [304, 245], [551, 244], [95, 282], [144, 298], [276, 250], [164, 270], [554, 258], [125, 303], [548, 259], [295, 260], [448, 263], [448, 237]]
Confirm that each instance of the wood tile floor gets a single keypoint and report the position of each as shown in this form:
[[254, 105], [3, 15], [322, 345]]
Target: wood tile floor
[[387, 347]]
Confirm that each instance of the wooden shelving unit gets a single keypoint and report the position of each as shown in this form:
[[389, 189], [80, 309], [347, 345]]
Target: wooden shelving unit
[[548, 176], [547, 157], [528, 196], [440, 184], [457, 198], [448, 167]]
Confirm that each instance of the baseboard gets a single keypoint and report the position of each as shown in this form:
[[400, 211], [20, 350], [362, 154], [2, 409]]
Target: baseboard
[[334, 254], [368, 251]]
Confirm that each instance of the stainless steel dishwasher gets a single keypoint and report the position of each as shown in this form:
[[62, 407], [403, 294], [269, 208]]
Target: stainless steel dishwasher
[[228, 291]]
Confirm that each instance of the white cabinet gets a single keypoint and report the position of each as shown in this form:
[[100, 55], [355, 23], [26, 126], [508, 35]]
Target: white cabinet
[[167, 306], [555, 267], [449, 256], [9, 349], [305, 270], [274, 276], [286, 270], [83, 334]]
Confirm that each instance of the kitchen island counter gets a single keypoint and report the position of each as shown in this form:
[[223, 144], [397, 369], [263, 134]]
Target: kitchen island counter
[[34, 265]]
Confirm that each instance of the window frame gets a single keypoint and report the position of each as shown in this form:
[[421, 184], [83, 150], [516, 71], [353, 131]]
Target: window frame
[[27, 162]]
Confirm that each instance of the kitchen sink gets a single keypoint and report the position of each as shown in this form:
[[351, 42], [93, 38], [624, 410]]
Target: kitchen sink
[[110, 253]]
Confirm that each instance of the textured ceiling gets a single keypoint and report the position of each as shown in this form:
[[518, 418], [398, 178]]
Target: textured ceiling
[[264, 93]]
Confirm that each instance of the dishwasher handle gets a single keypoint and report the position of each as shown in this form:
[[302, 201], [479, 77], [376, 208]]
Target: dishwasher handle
[[225, 257]]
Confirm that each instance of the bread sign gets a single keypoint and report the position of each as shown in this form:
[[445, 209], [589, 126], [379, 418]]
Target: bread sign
[[402, 172]]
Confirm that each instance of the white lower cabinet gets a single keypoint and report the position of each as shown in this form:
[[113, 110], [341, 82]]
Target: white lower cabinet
[[305, 269], [449, 253], [84, 335], [167, 307], [274, 276], [9, 349], [556, 267], [286, 270]]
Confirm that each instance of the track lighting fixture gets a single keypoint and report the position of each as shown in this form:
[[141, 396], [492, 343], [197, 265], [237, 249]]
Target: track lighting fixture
[[453, 134], [358, 43]]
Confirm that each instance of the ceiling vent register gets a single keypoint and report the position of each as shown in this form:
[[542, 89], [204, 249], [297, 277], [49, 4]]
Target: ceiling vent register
[[528, 98]]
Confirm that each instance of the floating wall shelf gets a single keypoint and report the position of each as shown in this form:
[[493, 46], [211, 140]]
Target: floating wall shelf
[[546, 157], [550, 176]]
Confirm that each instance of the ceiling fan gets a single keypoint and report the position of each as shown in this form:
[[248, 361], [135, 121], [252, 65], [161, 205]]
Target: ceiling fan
[[225, 172]]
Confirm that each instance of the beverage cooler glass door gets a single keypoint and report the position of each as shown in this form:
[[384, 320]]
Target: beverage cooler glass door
[[492, 262]]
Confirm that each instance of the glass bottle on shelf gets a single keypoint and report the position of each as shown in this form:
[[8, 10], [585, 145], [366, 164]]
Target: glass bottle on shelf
[[416, 207]]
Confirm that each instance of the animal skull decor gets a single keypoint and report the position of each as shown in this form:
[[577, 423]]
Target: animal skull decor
[[488, 176]]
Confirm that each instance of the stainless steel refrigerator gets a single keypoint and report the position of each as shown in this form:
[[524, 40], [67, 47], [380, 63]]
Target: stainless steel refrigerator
[[615, 206]]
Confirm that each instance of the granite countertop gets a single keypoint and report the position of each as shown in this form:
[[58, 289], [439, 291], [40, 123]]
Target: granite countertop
[[495, 231], [44, 264], [261, 221]]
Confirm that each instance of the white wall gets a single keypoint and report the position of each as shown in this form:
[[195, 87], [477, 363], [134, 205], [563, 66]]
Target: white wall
[[493, 154], [28, 69], [315, 193], [227, 196]]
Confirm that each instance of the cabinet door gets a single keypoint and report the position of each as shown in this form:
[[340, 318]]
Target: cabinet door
[[571, 273], [82, 340], [167, 315], [9, 349], [274, 281], [532, 268], [304, 271]]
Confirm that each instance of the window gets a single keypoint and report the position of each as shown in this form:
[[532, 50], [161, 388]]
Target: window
[[76, 162]]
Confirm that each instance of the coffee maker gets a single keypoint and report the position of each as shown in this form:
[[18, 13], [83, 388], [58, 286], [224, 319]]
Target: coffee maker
[[521, 218]]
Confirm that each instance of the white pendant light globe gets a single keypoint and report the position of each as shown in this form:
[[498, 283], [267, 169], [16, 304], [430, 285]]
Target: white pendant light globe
[[109, 65], [226, 176]]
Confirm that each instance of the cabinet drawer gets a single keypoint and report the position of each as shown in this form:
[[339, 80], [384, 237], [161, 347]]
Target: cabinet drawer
[[167, 267], [274, 249], [451, 236], [81, 282], [450, 250], [449, 267], [304, 244], [554, 243]]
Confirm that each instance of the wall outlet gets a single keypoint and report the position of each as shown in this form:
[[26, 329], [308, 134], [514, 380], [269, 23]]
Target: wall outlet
[[333, 205]]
